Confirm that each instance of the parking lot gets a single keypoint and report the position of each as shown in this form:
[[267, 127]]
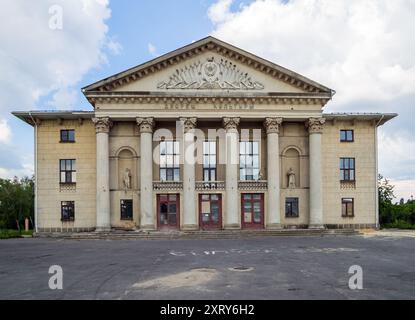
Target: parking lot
[[261, 268]]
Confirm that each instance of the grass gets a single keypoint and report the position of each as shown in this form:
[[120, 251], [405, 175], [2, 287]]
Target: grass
[[8, 233]]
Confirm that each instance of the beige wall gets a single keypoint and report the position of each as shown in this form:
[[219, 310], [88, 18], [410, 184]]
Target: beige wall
[[50, 193], [364, 194], [124, 144]]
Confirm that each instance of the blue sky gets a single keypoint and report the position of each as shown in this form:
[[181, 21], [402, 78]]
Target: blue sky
[[361, 48]]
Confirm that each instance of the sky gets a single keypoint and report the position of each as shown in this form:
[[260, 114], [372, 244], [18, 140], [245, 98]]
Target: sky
[[363, 49]]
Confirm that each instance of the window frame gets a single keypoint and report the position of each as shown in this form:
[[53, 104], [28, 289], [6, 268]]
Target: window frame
[[68, 204], [72, 171], [292, 200], [346, 139], [209, 168], [171, 168], [346, 170], [345, 204], [123, 206], [249, 156], [67, 140]]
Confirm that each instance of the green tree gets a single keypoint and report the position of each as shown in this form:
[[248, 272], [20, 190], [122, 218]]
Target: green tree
[[16, 202]]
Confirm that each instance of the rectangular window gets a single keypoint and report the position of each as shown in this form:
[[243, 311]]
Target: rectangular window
[[126, 209], [67, 171], [346, 135], [347, 207], [169, 161], [249, 160], [209, 161], [67, 135], [68, 211], [347, 169], [291, 208]]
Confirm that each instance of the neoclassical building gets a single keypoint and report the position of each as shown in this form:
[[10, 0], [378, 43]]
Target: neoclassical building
[[206, 137]]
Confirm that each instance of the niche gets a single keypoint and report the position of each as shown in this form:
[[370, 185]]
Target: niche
[[291, 163], [126, 160]]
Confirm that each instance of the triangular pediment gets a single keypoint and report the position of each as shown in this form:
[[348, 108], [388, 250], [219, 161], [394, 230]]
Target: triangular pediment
[[209, 66]]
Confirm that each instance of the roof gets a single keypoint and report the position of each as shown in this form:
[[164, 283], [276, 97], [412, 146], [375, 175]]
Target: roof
[[206, 44], [30, 117], [380, 118]]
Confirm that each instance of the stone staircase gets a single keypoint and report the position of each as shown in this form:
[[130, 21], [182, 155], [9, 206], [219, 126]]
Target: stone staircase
[[193, 235]]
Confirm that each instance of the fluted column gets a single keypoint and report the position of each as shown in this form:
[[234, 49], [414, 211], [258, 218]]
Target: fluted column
[[190, 220], [102, 127], [232, 220], [315, 129], [146, 173], [272, 126]]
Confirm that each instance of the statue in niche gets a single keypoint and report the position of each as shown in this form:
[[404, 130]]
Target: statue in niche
[[127, 179], [291, 179]]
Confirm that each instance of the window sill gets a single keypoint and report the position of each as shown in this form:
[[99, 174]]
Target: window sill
[[130, 219], [347, 217], [67, 141], [70, 220], [67, 183], [292, 217]]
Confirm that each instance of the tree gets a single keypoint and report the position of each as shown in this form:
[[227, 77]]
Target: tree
[[386, 196], [16, 202]]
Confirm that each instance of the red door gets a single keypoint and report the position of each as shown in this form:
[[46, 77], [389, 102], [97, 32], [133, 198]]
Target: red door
[[168, 211], [252, 210], [210, 211]]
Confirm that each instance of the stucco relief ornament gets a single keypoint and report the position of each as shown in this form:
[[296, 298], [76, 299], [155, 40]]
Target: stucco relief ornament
[[145, 124], [272, 125], [315, 125], [188, 124], [231, 123], [102, 125], [127, 179], [211, 75], [291, 179]]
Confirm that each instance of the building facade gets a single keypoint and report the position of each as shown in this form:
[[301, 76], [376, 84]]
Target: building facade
[[206, 137]]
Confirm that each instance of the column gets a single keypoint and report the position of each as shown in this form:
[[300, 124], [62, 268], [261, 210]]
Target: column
[[315, 129], [102, 127], [146, 173], [190, 220], [272, 126], [232, 220]]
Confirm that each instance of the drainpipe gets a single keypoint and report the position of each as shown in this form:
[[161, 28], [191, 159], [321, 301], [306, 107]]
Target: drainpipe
[[35, 152], [377, 172]]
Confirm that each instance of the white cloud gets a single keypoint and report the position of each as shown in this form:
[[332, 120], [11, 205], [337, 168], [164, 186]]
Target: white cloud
[[5, 132], [403, 189], [363, 49], [152, 50], [36, 60]]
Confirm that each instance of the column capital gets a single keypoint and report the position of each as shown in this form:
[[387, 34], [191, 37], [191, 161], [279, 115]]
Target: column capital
[[272, 125], [146, 125], [189, 123], [231, 123], [102, 125], [315, 125]]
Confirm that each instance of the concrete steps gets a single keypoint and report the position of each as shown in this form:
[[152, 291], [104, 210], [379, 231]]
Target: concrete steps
[[192, 235]]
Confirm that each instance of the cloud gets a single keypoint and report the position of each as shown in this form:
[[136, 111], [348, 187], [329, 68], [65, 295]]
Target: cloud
[[5, 132], [152, 50], [39, 61], [363, 49]]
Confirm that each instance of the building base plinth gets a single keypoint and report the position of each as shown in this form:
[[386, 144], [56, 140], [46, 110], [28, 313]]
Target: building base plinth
[[233, 226], [190, 227], [274, 226], [316, 227]]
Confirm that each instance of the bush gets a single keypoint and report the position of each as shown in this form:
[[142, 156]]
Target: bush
[[399, 224], [8, 234]]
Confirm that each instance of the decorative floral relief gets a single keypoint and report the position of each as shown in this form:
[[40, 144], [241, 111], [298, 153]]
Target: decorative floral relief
[[211, 75]]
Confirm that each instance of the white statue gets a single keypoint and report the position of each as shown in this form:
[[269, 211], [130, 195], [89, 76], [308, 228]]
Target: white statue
[[291, 179], [127, 179]]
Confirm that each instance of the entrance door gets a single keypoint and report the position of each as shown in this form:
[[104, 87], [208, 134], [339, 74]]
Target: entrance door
[[252, 210], [210, 211], [168, 211]]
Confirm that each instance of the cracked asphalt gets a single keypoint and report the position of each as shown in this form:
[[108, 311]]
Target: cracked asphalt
[[278, 268]]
